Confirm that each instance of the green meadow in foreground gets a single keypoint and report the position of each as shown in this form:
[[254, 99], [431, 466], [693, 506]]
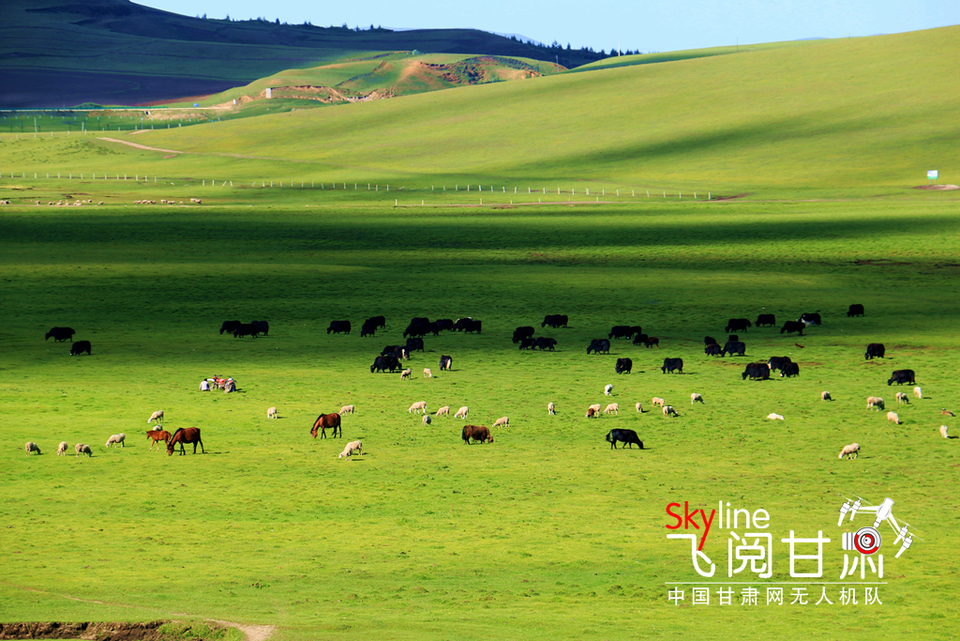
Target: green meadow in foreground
[[545, 533]]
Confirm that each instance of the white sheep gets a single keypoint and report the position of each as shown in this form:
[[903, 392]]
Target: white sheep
[[669, 411], [893, 418], [62, 449], [657, 401], [503, 420], [443, 411], [31, 447], [346, 409], [943, 431], [612, 408], [426, 419], [551, 409], [640, 407], [874, 402], [156, 416], [773, 416], [406, 373], [272, 412], [351, 447], [595, 407], [462, 412], [695, 398], [825, 396], [427, 373], [850, 450], [116, 439], [592, 413], [80, 448], [918, 392], [902, 398], [608, 389], [419, 407]]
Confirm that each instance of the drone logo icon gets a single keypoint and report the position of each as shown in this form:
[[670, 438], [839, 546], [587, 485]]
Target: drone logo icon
[[867, 540]]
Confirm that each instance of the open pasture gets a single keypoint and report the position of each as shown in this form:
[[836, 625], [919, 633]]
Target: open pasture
[[544, 533]]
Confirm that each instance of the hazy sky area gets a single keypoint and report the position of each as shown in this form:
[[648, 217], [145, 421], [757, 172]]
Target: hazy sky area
[[664, 25]]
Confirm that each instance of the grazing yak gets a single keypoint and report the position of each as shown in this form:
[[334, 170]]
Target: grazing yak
[[640, 339], [712, 349], [766, 319], [246, 329], [528, 343], [229, 326], [339, 327], [789, 369], [444, 324], [777, 362], [385, 363], [262, 326], [652, 341], [377, 322], [446, 362], [417, 327], [874, 350], [793, 326], [621, 331], [709, 340], [672, 365], [476, 433], [855, 310], [624, 366], [61, 334], [756, 371], [599, 346], [544, 342], [738, 325], [627, 437], [734, 348], [902, 376], [521, 333], [368, 329], [80, 347], [554, 320], [808, 318], [414, 344]]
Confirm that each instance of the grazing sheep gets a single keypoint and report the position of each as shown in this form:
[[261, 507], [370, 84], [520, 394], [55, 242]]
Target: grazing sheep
[[503, 420], [462, 412], [943, 431], [31, 447], [272, 412], [640, 407], [419, 407], [350, 448], [156, 416], [657, 401], [945, 412], [443, 411], [115, 439], [874, 402], [62, 450], [405, 373], [595, 407], [918, 392], [612, 408], [669, 411], [608, 389], [426, 419], [892, 416], [427, 373], [80, 448], [902, 398], [850, 451], [591, 413], [695, 398], [825, 396], [551, 409], [773, 416]]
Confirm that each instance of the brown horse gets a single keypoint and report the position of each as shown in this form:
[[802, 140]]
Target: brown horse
[[323, 422], [181, 436], [157, 436]]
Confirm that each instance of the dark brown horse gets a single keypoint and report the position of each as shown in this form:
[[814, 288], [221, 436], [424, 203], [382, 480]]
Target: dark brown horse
[[188, 435], [157, 436], [323, 422]]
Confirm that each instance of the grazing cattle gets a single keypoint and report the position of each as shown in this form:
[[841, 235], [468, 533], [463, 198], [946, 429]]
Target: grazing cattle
[[874, 350], [61, 334], [766, 319], [325, 421], [672, 365], [368, 329], [229, 326], [734, 348], [339, 327], [902, 376], [793, 326], [417, 329], [476, 433], [652, 341], [554, 320], [712, 349], [262, 326], [385, 363], [640, 339], [733, 337], [446, 362], [414, 344], [551, 409], [444, 324], [855, 310], [627, 437], [156, 436], [544, 342], [777, 362], [521, 333], [809, 319], [471, 326], [156, 416], [709, 340], [623, 366], [528, 343], [756, 371], [462, 412], [246, 329], [185, 435], [737, 325], [599, 346], [789, 369], [80, 347], [351, 447], [621, 331], [397, 351], [377, 322]]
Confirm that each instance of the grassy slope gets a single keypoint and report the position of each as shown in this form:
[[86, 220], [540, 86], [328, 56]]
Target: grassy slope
[[688, 54]]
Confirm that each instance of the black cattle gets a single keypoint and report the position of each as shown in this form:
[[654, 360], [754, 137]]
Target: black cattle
[[262, 326], [554, 320], [376, 321], [652, 341], [809, 319], [419, 320], [792, 326], [712, 349], [624, 366], [733, 337], [777, 362], [672, 365], [738, 325], [640, 339], [756, 371], [766, 319], [709, 340], [855, 310], [598, 346], [61, 334], [79, 348], [385, 363], [462, 323], [789, 369], [528, 343], [416, 329], [636, 329], [472, 326], [621, 331], [899, 377], [414, 345], [368, 329], [627, 437], [521, 333], [338, 327], [229, 327], [446, 362], [444, 324], [246, 329], [434, 327], [544, 342], [874, 350], [734, 348], [398, 351]]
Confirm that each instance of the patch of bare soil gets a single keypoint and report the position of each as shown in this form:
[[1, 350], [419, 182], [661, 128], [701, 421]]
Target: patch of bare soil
[[149, 631], [938, 187], [731, 197]]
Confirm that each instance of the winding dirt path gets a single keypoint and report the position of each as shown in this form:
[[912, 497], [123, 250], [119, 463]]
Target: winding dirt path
[[133, 144]]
